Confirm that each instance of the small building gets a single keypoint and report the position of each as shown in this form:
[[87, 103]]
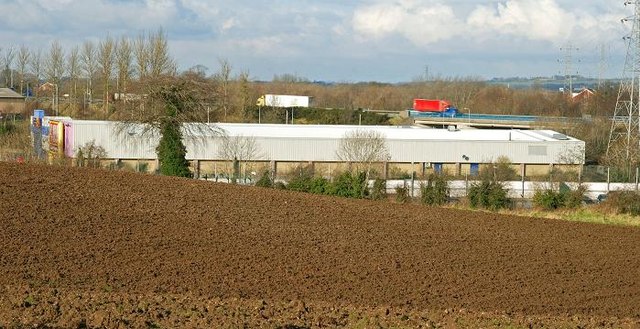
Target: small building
[[582, 95], [11, 102]]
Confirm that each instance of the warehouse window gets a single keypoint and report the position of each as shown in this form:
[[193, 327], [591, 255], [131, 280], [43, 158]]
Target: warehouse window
[[537, 150], [437, 168], [474, 169]]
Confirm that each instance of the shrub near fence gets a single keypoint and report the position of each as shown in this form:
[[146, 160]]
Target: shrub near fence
[[624, 202], [435, 191]]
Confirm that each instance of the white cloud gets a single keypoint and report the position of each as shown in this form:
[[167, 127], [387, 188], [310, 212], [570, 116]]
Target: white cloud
[[422, 22], [529, 19], [229, 24], [426, 22]]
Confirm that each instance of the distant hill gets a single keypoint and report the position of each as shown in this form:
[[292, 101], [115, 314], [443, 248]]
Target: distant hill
[[550, 83]]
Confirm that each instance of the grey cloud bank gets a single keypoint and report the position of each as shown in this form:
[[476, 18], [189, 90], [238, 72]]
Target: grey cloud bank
[[343, 40]]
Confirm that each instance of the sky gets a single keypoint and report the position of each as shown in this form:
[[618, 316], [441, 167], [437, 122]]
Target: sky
[[346, 41]]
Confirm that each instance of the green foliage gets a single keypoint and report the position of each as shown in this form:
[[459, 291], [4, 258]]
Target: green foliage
[[548, 199], [265, 179], [624, 202], [575, 197], [350, 185], [172, 152], [320, 185], [436, 191], [379, 190], [301, 178], [402, 193], [6, 127], [488, 194], [563, 197]]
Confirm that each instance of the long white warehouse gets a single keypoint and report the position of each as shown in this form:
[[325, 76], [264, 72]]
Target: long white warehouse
[[535, 151]]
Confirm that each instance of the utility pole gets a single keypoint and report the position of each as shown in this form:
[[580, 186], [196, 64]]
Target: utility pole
[[603, 64], [624, 137], [567, 61]]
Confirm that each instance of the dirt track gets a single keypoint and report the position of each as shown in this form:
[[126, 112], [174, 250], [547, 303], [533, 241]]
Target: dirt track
[[114, 248]]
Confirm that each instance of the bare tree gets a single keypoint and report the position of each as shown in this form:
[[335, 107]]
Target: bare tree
[[160, 62], [89, 66], [241, 148], [105, 61], [24, 56], [54, 65], [363, 147], [238, 149], [54, 69], [223, 80], [36, 68], [141, 56], [124, 56], [73, 67], [9, 55]]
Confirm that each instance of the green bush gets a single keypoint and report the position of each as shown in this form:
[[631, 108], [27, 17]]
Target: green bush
[[6, 127], [564, 197], [488, 194], [624, 202], [350, 185], [301, 179], [319, 185], [379, 190], [574, 198], [548, 199], [402, 193], [265, 179], [436, 191]]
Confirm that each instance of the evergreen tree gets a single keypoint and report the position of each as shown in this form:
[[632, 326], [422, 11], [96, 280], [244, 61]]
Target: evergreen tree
[[171, 150]]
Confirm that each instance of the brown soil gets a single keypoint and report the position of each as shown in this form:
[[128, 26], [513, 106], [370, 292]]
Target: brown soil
[[115, 249]]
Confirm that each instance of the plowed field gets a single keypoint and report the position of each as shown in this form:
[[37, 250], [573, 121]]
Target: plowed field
[[84, 247]]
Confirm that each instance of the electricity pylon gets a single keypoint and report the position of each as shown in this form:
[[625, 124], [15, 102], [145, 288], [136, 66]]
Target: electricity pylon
[[624, 137], [567, 61]]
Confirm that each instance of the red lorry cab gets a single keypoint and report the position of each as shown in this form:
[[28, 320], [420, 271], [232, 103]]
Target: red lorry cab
[[430, 105]]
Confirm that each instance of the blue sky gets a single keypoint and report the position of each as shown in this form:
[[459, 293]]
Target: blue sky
[[333, 40]]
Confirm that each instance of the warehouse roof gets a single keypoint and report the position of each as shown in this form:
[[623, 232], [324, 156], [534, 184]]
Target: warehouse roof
[[9, 93], [390, 132]]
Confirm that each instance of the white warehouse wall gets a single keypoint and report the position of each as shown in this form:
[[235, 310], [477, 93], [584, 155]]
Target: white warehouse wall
[[319, 143]]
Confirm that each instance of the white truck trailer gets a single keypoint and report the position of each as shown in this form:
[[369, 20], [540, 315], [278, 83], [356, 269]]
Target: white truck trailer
[[283, 101]]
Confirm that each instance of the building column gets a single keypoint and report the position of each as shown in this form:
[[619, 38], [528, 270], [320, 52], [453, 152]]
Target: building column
[[273, 167], [385, 170], [196, 169]]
